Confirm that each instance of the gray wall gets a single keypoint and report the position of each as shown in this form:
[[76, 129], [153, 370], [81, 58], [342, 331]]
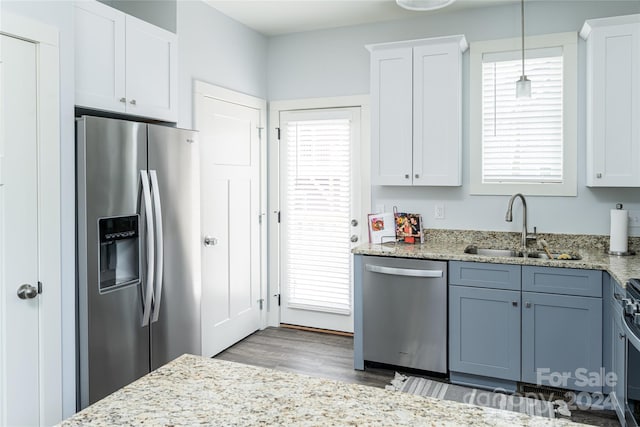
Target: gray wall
[[217, 50], [335, 63]]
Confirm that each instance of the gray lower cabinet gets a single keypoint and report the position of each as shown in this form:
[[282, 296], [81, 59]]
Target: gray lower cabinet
[[562, 341], [614, 351], [484, 337], [499, 335]]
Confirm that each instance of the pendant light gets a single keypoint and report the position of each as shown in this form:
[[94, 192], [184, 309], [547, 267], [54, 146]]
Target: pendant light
[[422, 5], [523, 85]]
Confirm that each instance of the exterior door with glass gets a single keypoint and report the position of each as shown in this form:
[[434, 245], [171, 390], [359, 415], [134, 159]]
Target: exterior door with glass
[[319, 215]]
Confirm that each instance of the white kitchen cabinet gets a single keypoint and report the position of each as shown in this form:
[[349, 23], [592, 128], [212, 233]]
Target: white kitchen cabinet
[[613, 101], [123, 64], [416, 111]]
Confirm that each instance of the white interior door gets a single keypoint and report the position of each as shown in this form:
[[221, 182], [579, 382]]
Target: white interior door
[[320, 208], [19, 318], [230, 198]]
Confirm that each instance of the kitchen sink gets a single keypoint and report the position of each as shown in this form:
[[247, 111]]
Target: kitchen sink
[[567, 256], [474, 250], [510, 253]]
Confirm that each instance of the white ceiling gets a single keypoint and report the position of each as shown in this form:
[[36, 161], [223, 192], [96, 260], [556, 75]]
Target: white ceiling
[[275, 17]]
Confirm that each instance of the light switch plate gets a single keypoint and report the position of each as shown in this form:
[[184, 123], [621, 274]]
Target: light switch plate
[[634, 218]]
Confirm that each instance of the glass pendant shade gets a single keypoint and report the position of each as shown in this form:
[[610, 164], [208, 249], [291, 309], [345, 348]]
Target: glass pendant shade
[[523, 87], [422, 5]]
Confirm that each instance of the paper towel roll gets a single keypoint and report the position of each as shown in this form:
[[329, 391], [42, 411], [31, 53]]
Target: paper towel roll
[[619, 230]]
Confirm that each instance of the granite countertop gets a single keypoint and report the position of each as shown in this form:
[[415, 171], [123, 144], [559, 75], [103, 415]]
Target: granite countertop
[[450, 244], [193, 390]]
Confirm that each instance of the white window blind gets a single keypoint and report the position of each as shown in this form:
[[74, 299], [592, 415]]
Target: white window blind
[[317, 214], [522, 139]]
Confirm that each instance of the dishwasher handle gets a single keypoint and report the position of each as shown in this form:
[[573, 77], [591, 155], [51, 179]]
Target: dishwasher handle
[[403, 271]]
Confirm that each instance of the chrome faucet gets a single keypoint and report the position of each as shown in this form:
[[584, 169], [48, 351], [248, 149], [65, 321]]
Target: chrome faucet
[[509, 217]]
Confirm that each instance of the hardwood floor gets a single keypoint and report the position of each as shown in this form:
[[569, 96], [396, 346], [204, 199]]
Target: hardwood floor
[[304, 352], [331, 356]]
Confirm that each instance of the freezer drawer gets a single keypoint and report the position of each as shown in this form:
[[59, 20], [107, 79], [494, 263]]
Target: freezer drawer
[[405, 312]]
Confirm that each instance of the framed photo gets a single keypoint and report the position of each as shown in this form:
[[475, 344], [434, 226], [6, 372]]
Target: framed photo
[[381, 227], [408, 227]]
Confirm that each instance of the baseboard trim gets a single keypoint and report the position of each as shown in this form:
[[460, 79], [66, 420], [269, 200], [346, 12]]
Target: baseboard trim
[[319, 330]]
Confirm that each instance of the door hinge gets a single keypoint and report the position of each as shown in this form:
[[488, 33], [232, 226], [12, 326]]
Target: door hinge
[[260, 215], [278, 129], [261, 301], [39, 287]]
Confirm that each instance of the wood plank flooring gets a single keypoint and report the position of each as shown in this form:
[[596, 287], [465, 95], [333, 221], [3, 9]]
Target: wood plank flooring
[[304, 352], [331, 356]]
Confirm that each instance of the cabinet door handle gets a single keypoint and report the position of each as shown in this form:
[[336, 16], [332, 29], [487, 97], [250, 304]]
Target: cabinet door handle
[[598, 175], [407, 176], [123, 99], [132, 102], [514, 303], [622, 336], [527, 304], [403, 271]]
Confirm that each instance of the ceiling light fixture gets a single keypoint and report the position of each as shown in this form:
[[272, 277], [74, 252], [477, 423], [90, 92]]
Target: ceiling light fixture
[[523, 85], [422, 5]]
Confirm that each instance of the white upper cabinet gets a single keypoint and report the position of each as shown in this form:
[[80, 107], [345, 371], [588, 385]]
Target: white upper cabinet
[[613, 101], [416, 112], [391, 112], [123, 64]]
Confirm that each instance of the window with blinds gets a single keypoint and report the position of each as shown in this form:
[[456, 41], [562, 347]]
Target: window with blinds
[[522, 139], [524, 146], [317, 214]]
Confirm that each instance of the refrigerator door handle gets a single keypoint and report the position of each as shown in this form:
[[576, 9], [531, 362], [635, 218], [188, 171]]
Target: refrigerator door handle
[[157, 207], [146, 194]]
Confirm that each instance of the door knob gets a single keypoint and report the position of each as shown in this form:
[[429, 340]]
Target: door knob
[[354, 238], [27, 291], [210, 241]]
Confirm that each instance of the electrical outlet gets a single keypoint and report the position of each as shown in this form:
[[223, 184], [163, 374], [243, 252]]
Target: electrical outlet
[[439, 211], [634, 218]]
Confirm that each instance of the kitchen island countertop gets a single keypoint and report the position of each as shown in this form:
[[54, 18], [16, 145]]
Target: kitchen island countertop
[[193, 390]]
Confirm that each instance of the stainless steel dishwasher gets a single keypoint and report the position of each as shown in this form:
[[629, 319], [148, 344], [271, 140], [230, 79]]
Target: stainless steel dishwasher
[[405, 312]]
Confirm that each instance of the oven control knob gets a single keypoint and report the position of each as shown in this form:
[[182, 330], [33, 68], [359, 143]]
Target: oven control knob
[[629, 306]]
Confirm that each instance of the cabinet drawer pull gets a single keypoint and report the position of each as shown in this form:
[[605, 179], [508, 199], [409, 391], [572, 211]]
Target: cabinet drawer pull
[[403, 271]]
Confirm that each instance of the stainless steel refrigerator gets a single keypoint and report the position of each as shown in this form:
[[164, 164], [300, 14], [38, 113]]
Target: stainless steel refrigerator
[[138, 286]]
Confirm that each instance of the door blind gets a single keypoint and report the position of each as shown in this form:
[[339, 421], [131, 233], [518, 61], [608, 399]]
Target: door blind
[[522, 138], [317, 213]]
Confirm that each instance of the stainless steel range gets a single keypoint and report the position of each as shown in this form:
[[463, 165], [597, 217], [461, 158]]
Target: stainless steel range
[[631, 324]]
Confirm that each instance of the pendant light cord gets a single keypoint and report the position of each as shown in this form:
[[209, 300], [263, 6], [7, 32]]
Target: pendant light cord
[[522, 16]]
